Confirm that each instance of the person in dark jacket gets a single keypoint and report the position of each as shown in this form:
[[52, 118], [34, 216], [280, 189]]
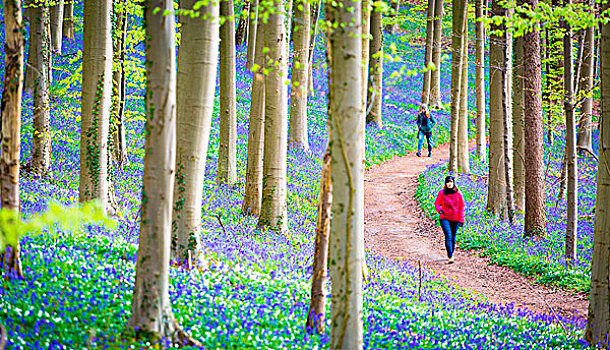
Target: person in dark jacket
[[449, 204], [425, 123]]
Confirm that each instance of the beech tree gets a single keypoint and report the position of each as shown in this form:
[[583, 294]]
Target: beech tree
[[57, 19], [425, 95], [227, 150], [68, 23], [535, 222], [242, 25], [585, 84], [196, 84], [117, 123], [10, 110], [347, 176], [480, 9], [499, 115], [252, 20], [393, 13], [375, 83], [435, 79], [151, 312], [96, 97], [273, 205], [41, 135], [598, 320], [570, 155], [297, 131], [518, 125]]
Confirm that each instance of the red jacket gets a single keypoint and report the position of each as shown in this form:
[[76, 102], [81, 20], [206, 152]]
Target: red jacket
[[452, 206]]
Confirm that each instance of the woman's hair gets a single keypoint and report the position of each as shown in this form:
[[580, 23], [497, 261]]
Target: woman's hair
[[447, 190], [424, 109]]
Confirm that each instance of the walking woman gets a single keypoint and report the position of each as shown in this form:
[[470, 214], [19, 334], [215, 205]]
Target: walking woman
[[425, 123], [449, 204]]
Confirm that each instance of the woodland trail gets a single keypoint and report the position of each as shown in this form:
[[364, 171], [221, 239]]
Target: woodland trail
[[397, 228]]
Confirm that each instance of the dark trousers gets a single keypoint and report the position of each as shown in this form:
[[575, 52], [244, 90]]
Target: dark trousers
[[420, 140], [450, 230]]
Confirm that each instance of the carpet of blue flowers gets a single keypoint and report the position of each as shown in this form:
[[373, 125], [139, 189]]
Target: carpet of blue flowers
[[77, 288]]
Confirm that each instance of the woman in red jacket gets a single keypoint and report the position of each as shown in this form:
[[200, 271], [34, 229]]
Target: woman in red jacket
[[449, 204]]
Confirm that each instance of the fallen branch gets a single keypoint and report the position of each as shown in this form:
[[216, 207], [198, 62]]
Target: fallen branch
[[220, 222]]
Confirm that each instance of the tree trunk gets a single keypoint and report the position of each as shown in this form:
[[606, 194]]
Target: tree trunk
[[256, 132], [119, 142], [571, 160], [463, 159], [375, 88], [507, 121], [10, 109], [297, 132], [41, 138], [555, 76], [227, 150], [347, 174], [68, 23], [57, 19], [480, 9], [598, 321], [95, 101], [315, 13], [366, 28], [498, 114], [535, 222], [31, 75], [392, 25], [151, 312], [197, 61], [518, 126], [243, 22], [425, 94], [435, 79], [288, 28], [457, 60], [317, 306], [586, 83], [273, 206], [252, 19]]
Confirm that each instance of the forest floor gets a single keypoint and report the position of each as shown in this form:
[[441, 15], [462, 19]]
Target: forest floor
[[397, 228]]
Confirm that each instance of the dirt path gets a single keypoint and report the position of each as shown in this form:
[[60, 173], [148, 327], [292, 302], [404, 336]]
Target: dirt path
[[396, 227]]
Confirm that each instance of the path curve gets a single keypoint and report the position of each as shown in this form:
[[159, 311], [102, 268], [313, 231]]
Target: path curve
[[397, 228]]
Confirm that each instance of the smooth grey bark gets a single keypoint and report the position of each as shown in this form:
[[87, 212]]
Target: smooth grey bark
[[435, 79], [571, 239], [117, 124], [256, 132], [463, 154], [518, 126], [585, 82], [10, 132], [481, 139], [507, 121], [96, 99], [598, 320], [535, 221], [273, 207], [315, 13], [375, 83], [57, 19], [252, 20], [347, 177], [151, 312], [297, 130], [459, 82], [227, 149], [196, 85], [68, 23], [41, 137], [425, 95]]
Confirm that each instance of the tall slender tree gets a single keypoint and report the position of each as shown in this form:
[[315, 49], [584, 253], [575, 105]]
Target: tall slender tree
[[10, 110], [463, 159], [480, 10], [41, 135], [570, 156], [227, 150], [315, 13], [585, 84], [392, 25], [95, 101], [242, 25], [252, 20], [435, 80], [57, 19], [117, 123], [375, 83], [68, 23], [151, 312], [535, 221], [197, 63], [297, 131], [598, 320], [518, 126], [499, 90], [256, 132], [425, 95], [347, 176], [273, 206]]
